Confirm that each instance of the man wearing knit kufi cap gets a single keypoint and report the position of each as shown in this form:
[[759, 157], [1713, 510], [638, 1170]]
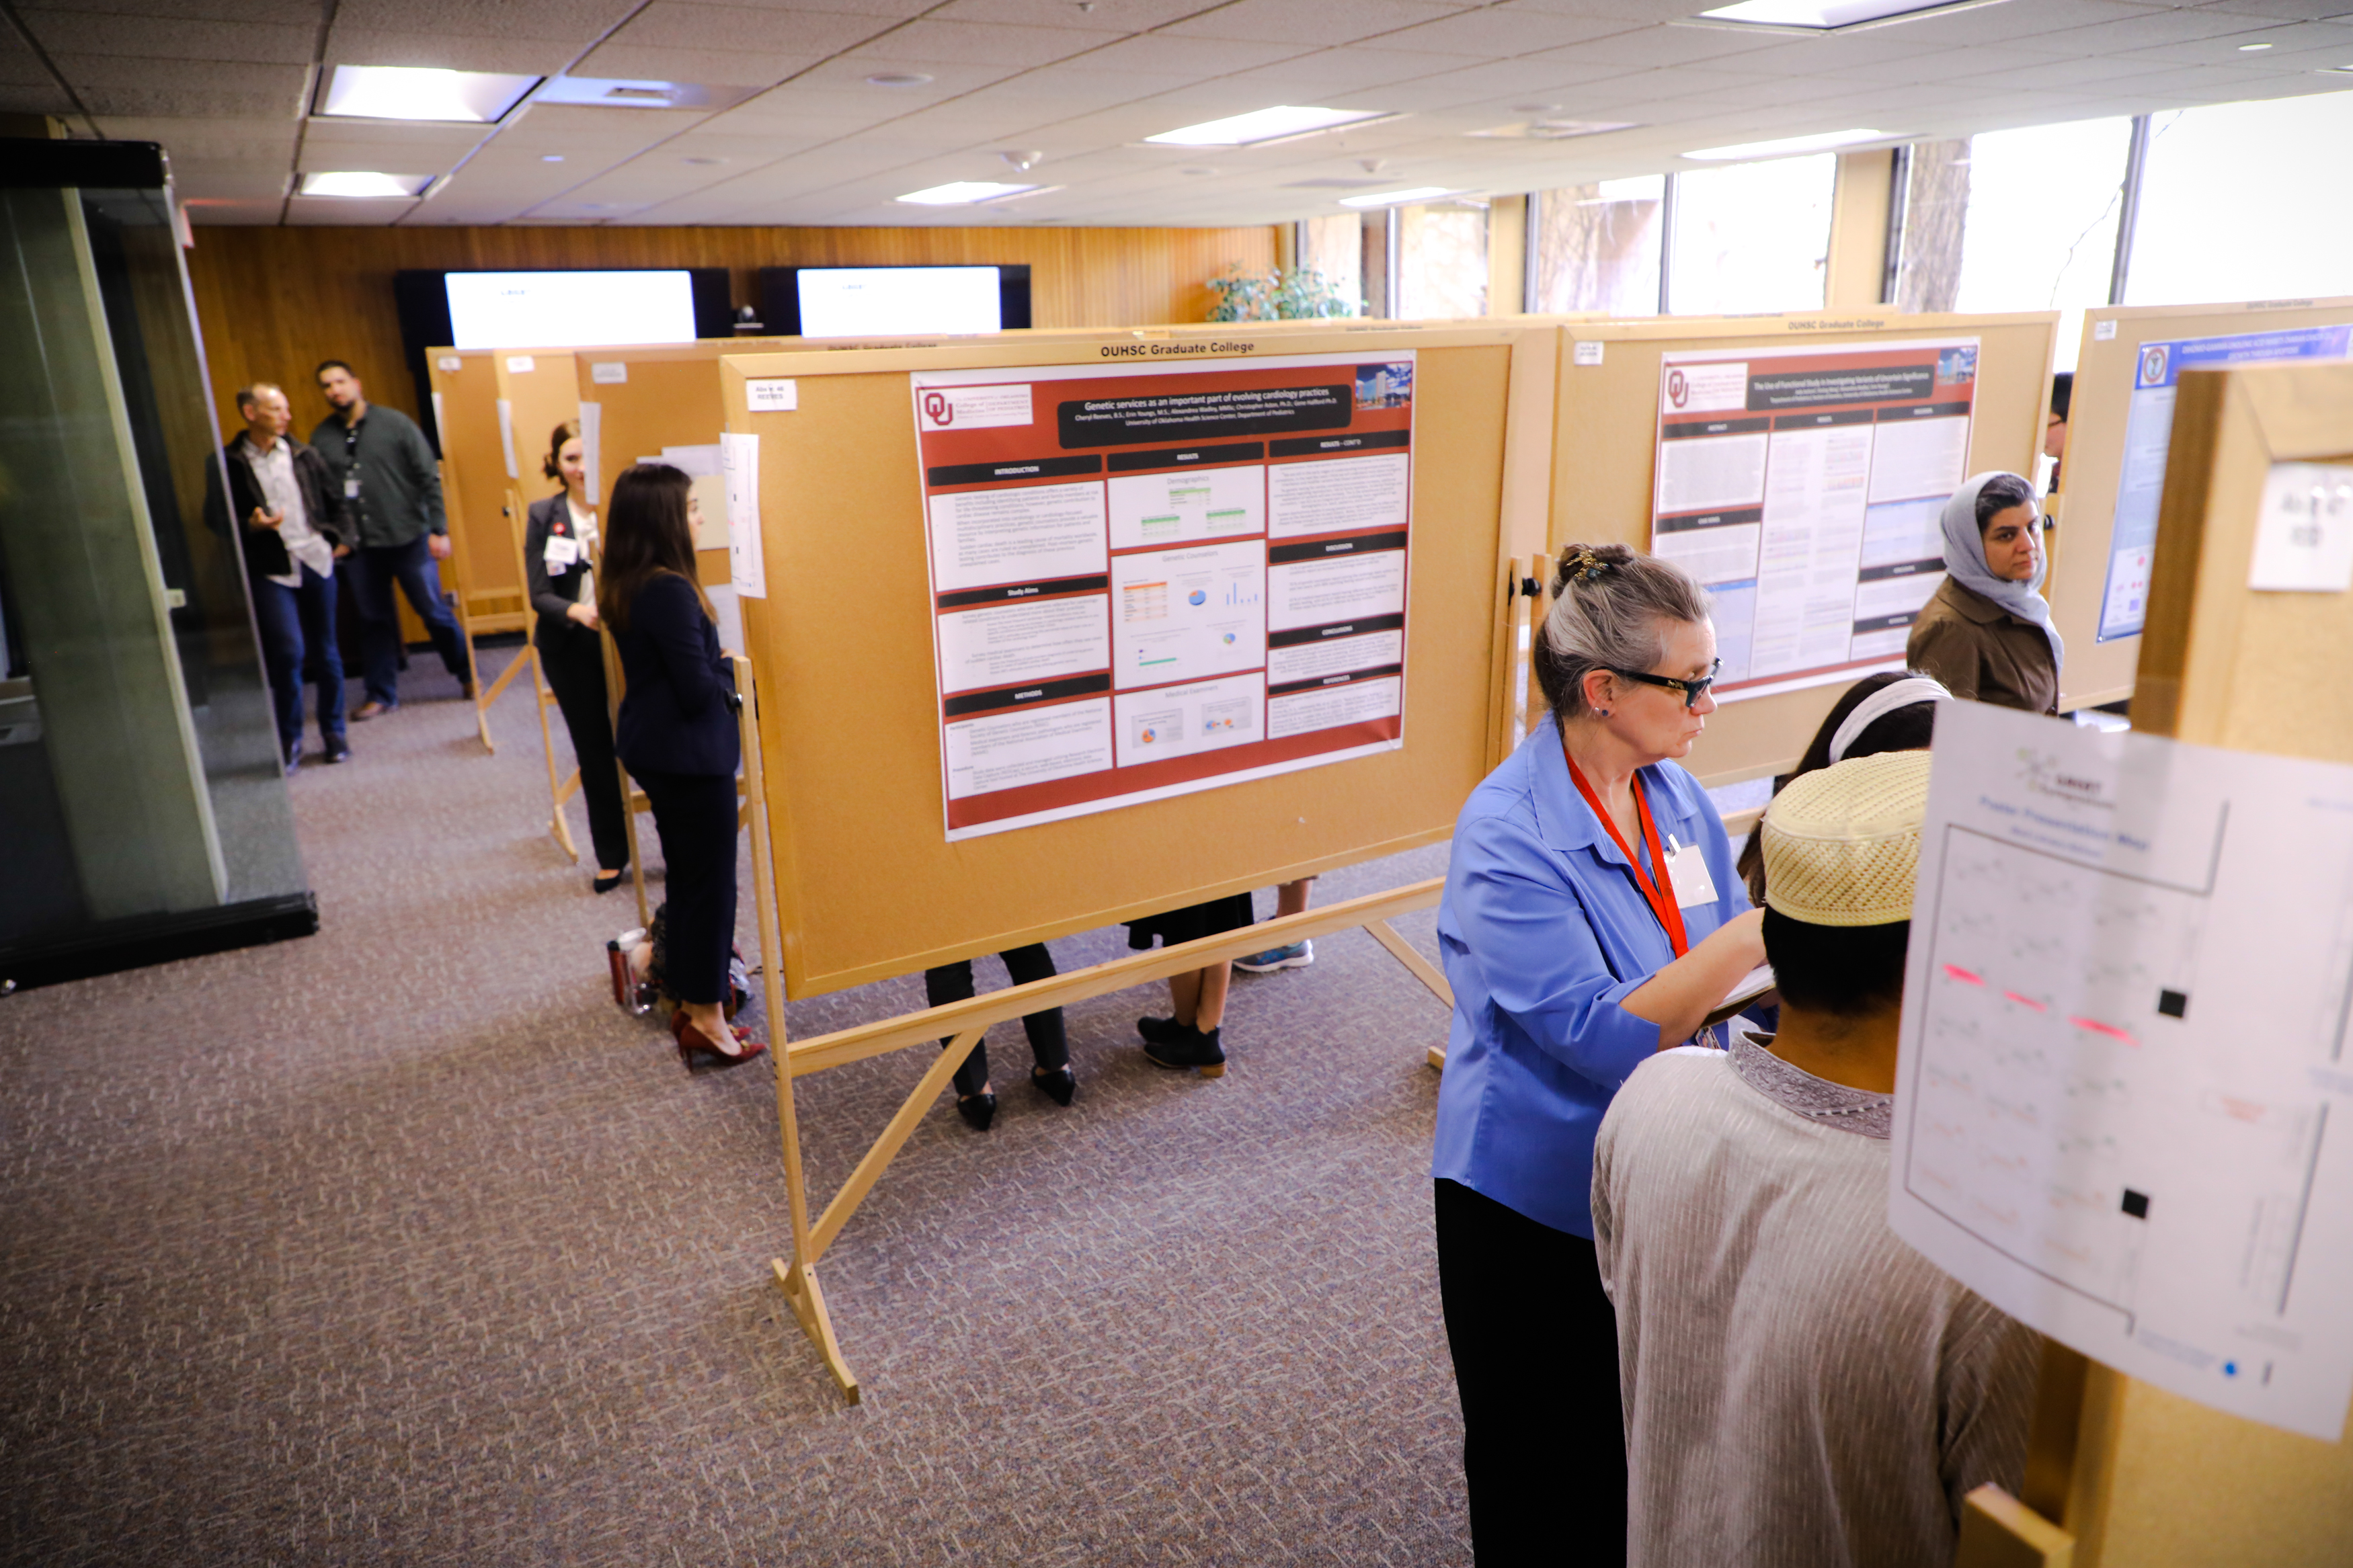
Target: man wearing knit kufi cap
[[1801, 1387]]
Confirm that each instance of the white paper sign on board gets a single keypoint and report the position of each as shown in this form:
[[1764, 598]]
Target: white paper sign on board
[[738, 462], [610, 371], [592, 435], [506, 437], [2304, 539], [521, 364], [773, 395], [2123, 1089]]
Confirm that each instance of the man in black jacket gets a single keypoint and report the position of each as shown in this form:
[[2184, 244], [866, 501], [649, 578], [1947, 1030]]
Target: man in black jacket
[[391, 484], [290, 523]]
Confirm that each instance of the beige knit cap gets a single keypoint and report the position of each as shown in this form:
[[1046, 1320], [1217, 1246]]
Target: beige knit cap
[[1843, 843]]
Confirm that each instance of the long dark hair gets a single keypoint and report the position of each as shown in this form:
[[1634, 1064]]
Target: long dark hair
[[1906, 729], [646, 535], [553, 467]]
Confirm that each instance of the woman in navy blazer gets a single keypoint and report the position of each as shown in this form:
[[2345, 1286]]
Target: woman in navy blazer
[[1592, 918], [677, 736], [558, 554]]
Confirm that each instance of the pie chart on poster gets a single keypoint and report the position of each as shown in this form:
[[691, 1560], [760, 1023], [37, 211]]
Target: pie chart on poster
[[1197, 597]]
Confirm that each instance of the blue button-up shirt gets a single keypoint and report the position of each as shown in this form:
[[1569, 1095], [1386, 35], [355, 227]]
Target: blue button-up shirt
[[1544, 935]]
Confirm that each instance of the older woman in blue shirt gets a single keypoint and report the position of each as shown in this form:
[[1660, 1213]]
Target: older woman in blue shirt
[[1593, 917]]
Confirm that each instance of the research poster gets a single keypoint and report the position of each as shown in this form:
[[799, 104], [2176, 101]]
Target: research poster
[[1802, 488], [1148, 579], [2124, 1099], [2148, 436]]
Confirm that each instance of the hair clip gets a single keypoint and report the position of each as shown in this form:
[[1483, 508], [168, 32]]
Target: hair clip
[[1584, 566]]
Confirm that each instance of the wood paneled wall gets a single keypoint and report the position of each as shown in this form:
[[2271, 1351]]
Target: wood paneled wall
[[275, 301]]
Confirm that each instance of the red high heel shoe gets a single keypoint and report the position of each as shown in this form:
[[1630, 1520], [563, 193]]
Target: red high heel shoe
[[693, 1042]]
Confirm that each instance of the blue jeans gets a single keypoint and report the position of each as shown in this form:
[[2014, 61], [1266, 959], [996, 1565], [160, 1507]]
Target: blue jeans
[[375, 568], [293, 621]]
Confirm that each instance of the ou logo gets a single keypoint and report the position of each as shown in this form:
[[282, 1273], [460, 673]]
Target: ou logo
[[938, 409], [1678, 388]]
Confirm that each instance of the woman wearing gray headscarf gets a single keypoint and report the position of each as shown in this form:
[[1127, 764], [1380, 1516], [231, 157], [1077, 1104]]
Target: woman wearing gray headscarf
[[1987, 632]]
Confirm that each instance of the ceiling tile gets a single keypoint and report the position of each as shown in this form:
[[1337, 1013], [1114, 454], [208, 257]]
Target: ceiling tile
[[666, 24], [1288, 22], [170, 39], [1664, 46], [392, 148], [1505, 32], [985, 43], [114, 84], [2149, 29], [1165, 54], [601, 127], [225, 213], [713, 68], [332, 211], [206, 179], [2019, 19], [1110, 16], [577, 19], [448, 51]]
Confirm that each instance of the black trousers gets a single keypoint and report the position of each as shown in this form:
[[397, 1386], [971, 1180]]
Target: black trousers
[[1048, 1043], [695, 815], [574, 661], [1535, 1364]]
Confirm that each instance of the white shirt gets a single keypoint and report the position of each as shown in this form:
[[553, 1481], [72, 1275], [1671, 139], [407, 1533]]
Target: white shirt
[[1802, 1389], [305, 545]]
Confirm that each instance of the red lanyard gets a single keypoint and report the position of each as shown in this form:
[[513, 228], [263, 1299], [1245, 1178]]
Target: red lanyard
[[1660, 894]]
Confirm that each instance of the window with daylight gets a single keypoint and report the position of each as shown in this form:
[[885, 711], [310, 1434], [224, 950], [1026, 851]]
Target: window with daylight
[[2237, 203], [1333, 247], [1598, 246], [1751, 237], [2016, 220], [1441, 251]]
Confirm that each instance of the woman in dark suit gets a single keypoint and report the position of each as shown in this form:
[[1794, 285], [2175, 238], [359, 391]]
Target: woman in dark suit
[[558, 553], [678, 738]]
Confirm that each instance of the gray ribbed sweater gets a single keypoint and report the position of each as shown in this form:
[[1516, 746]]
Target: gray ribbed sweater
[[1802, 1389]]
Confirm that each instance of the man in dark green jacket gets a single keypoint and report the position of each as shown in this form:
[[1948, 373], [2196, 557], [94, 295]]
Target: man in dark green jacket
[[391, 486]]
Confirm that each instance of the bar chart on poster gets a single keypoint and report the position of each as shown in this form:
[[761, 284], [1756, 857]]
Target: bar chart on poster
[[1152, 579], [2148, 436], [1802, 488], [2123, 1090]]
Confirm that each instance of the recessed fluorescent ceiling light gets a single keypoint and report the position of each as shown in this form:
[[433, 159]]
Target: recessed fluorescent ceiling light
[[1788, 144], [1825, 14], [965, 193], [422, 92], [353, 183], [636, 92], [1264, 125], [1387, 199]]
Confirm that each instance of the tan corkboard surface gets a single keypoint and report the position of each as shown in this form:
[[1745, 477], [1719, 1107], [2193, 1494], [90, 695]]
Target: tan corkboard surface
[[1606, 436], [2098, 672], [867, 885]]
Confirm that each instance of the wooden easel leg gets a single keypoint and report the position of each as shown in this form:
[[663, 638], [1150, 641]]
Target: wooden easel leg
[[556, 789], [637, 850], [808, 1302]]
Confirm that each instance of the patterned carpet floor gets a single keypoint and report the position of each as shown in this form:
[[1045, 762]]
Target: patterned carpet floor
[[401, 1244]]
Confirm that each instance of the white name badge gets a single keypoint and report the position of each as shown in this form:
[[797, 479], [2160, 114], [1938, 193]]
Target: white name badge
[[1687, 869], [561, 552], [351, 488]]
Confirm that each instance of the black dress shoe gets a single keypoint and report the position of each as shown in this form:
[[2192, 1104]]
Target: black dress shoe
[[977, 1110], [1059, 1085], [338, 749], [1191, 1047], [1159, 1031], [605, 884]]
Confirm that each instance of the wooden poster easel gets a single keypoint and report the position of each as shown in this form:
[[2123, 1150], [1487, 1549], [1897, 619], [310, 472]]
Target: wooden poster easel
[[2120, 1474], [2090, 474], [863, 880], [1608, 420]]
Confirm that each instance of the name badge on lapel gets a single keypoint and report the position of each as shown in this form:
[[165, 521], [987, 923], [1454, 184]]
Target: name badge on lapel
[[1687, 869], [561, 553]]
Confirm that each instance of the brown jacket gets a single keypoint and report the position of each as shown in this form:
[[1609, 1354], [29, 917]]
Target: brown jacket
[[1980, 650]]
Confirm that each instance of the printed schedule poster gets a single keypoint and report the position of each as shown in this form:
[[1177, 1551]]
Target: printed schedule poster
[[1152, 579], [1803, 487], [2148, 436]]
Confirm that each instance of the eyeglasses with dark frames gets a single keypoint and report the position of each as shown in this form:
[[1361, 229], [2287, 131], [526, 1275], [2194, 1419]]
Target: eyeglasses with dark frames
[[1693, 690]]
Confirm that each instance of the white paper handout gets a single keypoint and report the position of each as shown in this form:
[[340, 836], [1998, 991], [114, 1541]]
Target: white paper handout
[[739, 461], [2125, 1102]]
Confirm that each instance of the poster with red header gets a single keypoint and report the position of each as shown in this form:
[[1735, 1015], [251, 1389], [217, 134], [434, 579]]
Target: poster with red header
[[1155, 578], [1803, 487]]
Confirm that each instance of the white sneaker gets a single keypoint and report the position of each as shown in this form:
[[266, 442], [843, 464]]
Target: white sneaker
[[1298, 955]]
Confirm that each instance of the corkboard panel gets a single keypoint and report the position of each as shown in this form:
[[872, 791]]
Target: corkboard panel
[[2089, 478], [1606, 440], [2159, 1481], [867, 885], [474, 489]]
